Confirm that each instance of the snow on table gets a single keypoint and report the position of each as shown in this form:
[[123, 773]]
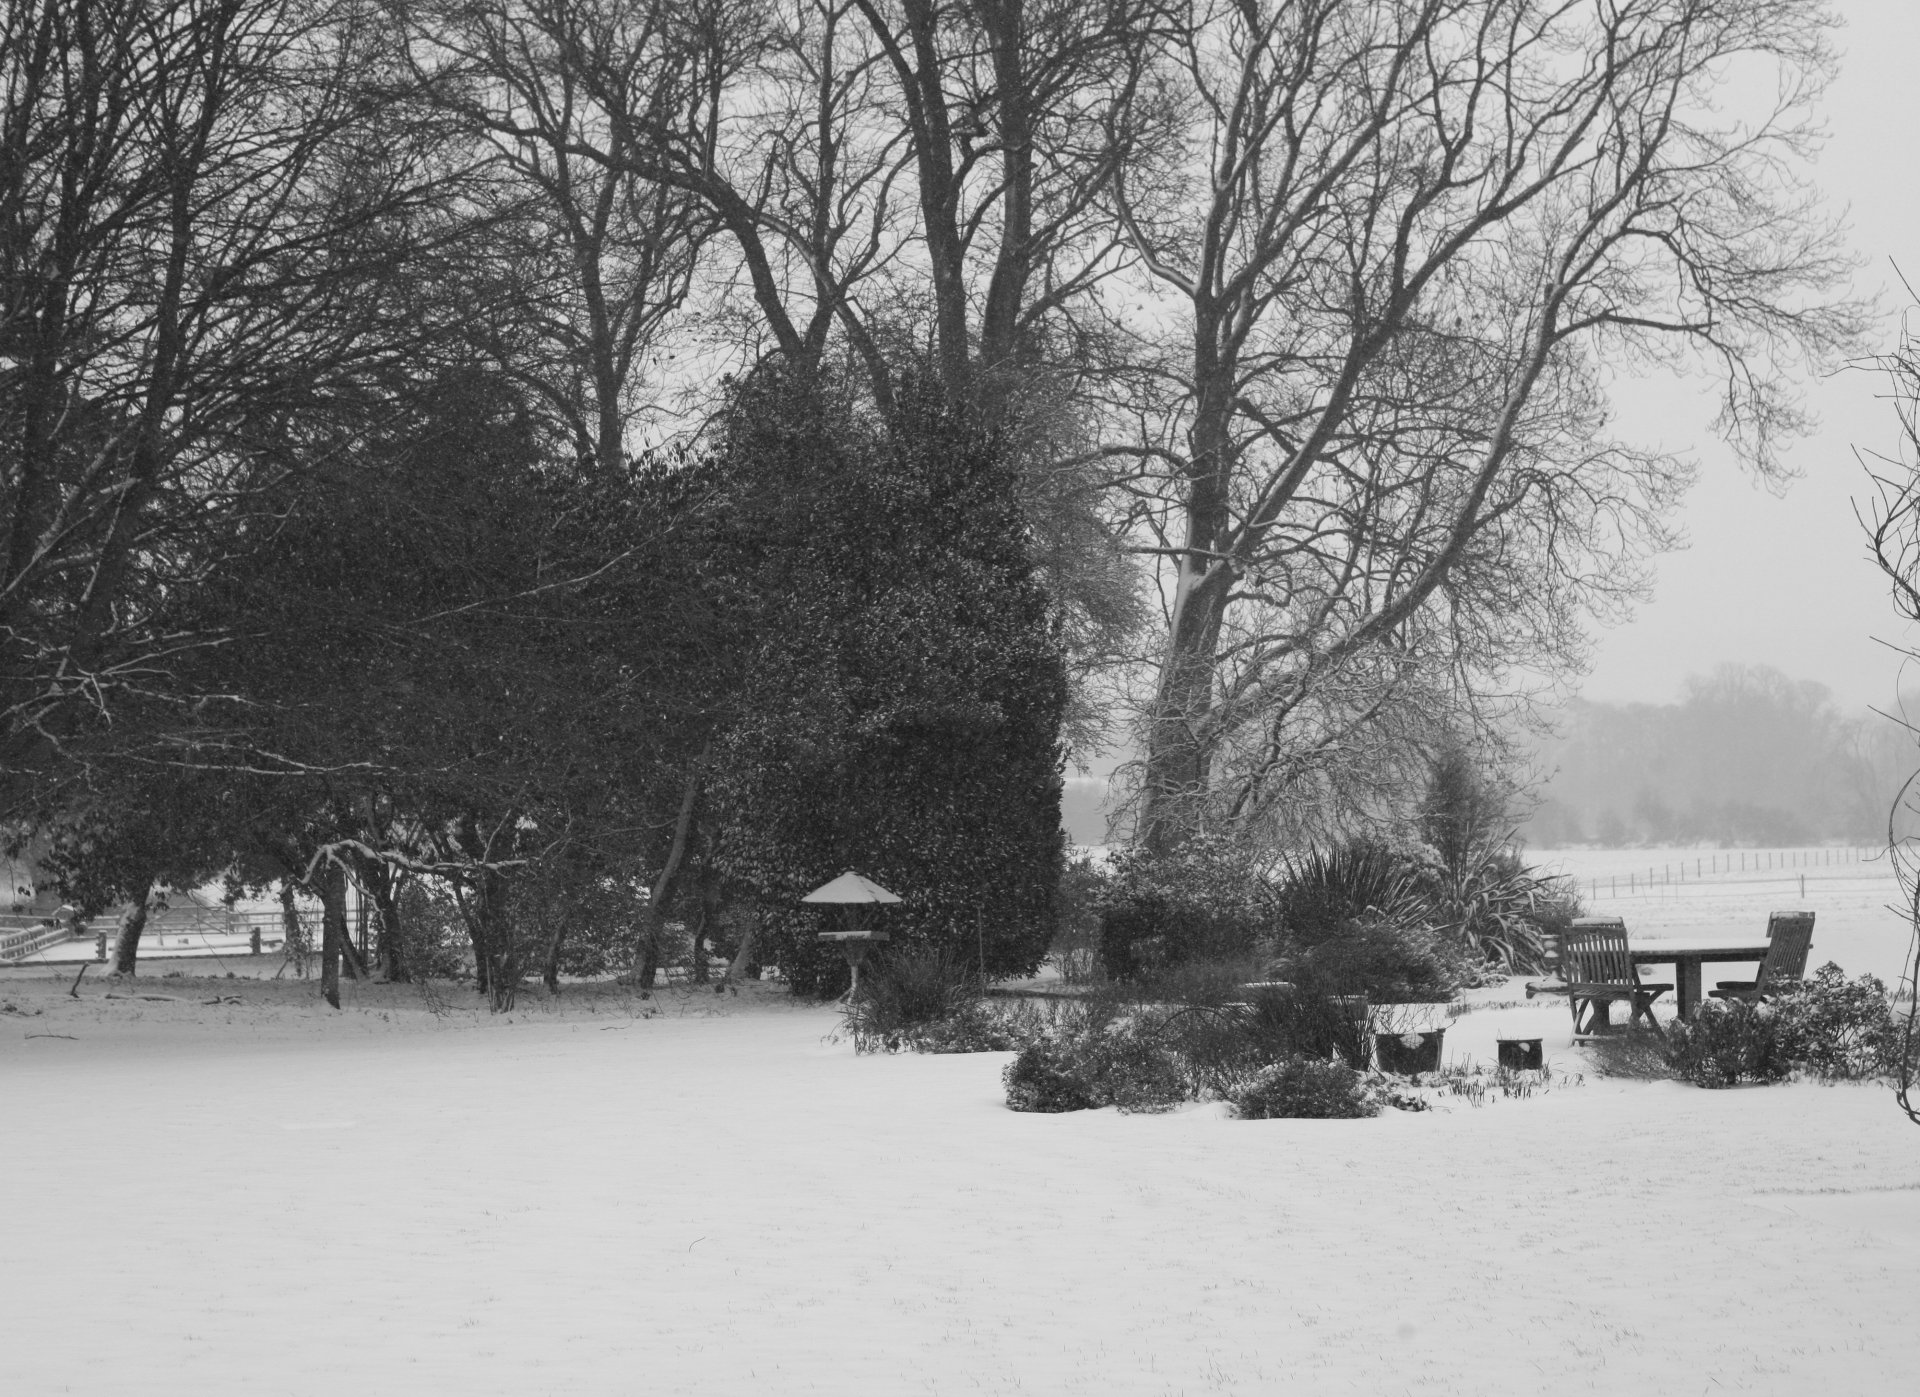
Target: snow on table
[[268, 1198]]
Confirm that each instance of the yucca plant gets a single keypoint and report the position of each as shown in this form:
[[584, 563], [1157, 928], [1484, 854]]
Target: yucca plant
[[1324, 892], [1495, 907]]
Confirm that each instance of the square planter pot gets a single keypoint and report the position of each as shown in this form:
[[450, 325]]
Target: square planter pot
[[1408, 1053]]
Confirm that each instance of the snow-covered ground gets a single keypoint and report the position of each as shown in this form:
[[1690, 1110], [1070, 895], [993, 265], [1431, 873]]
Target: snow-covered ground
[[700, 1195]]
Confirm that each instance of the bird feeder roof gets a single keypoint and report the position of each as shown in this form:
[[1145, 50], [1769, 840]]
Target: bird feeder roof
[[850, 887]]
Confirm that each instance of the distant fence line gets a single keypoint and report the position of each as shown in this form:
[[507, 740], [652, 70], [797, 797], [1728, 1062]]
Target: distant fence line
[[1723, 864], [188, 925]]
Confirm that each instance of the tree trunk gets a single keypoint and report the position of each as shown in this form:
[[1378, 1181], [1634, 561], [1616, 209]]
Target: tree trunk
[[293, 940], [126, 947], [331, 882], [699, 969], [946, 253], [649, 970], [663, 887], [1005, 24], [362, 928], [1177, 741], [743, 965], [482, 951], [550, 970], [391, 943], [503, 955]]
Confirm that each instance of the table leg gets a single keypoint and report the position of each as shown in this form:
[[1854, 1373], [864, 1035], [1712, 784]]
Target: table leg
[[1686, 987], [1599, 1016]]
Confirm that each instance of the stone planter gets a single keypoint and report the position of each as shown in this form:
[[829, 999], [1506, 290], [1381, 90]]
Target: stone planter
[[1407, 1053]]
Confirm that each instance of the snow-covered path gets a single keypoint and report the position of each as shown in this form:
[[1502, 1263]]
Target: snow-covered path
[[274, 1200]]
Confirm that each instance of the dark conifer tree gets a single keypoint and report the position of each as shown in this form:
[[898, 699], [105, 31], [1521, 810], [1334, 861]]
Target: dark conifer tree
[[902, 710]]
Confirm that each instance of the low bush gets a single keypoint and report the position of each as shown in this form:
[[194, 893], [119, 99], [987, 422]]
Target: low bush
[[1048, 1076], [975, 1027], [1149, 1054], [1304, 1088], [1727, 1042], [1205, 1014], [1827, 1026], [1120, 1063], [915, 994], [1637, 1057], [1836, 1028]]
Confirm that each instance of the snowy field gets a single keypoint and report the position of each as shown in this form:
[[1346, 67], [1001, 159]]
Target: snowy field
[[701, 1195]]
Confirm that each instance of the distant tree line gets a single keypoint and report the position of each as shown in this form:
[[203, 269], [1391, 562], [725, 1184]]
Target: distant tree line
[[1747, 756]]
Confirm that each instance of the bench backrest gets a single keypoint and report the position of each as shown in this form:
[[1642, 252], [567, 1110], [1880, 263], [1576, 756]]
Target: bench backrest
[[1789, 938], [1596, 953]]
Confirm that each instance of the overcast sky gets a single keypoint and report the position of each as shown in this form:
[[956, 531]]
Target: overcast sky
[[1785, 580]]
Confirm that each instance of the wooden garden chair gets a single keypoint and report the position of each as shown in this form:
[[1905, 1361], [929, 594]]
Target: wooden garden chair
[[1789, 938], [1599, 971], [1554, 948]]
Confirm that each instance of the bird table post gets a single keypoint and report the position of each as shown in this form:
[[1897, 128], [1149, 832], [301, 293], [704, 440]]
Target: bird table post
[[850, 889]]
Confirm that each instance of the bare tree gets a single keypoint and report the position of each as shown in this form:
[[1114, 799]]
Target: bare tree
[[1403, 239], [1894, 527], [589, 260], [202, 210]]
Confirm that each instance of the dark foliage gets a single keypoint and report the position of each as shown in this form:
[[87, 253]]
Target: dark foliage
[[1324, 893], [1728, 1042], [1076, 938], [438, 947], [1390, 963], [927, 999], [904, 697], [1199, 902], [1408, 923]]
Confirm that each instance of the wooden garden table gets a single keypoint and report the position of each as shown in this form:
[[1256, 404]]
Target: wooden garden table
[[1686, 954]]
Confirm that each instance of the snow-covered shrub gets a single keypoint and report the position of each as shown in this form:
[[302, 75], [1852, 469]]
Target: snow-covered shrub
[[1049, 1076], [1135, 1068], [975, 1027], [1726, 1042], [1119, 1062], [1837, 1028], [1826, 1025], [1304, 1088]]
